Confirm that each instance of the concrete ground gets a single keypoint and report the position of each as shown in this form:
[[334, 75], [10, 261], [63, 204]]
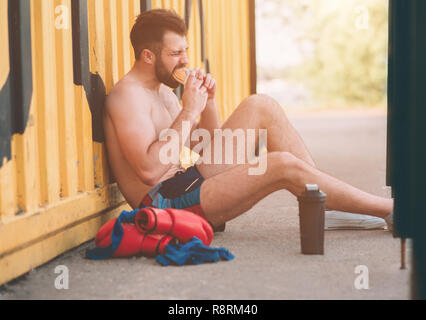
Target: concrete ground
[[268, 264]]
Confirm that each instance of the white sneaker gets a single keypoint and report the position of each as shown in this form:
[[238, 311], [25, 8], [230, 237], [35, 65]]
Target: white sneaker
[[389, 221], [339, 220]]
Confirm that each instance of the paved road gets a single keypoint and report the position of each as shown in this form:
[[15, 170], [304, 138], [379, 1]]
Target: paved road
[[265, 241]]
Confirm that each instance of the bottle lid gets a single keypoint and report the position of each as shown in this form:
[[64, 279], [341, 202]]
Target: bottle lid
[[312, 193], [312, 187]]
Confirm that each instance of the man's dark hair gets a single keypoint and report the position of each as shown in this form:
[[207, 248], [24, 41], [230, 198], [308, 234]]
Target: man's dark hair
[[149, 29]]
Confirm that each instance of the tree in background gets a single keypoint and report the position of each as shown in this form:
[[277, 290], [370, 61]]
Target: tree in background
[[343, 45]]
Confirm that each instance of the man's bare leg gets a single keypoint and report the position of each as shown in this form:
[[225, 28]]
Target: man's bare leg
[[233, 192], [258, 112]]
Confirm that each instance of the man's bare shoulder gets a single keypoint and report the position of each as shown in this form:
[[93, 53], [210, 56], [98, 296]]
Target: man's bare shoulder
[[127, 94]]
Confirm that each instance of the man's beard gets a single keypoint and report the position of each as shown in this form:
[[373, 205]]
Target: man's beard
[[164, 76]]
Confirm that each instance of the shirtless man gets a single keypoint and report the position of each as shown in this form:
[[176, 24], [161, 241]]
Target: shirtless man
[[140, 106]]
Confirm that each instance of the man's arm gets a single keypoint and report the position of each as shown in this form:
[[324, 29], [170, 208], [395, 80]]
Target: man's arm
[[137, 135], [210, 119]]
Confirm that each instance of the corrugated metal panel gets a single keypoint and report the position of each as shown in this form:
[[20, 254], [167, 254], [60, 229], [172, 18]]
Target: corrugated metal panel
[[55, 185]]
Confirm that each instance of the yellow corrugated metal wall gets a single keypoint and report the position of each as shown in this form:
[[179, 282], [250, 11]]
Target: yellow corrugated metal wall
[[55, 185]]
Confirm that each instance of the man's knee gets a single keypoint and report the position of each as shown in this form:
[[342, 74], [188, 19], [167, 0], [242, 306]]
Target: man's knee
[[263, 104], [259, 99]]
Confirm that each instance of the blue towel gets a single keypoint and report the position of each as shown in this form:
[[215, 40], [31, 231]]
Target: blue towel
[[116, 236], [193, 252]]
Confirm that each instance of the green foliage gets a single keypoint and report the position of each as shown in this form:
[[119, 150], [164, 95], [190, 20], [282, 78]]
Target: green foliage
[[347, 62]]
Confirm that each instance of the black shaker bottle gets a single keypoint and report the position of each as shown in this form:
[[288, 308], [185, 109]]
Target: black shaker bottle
[[311, 219]]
